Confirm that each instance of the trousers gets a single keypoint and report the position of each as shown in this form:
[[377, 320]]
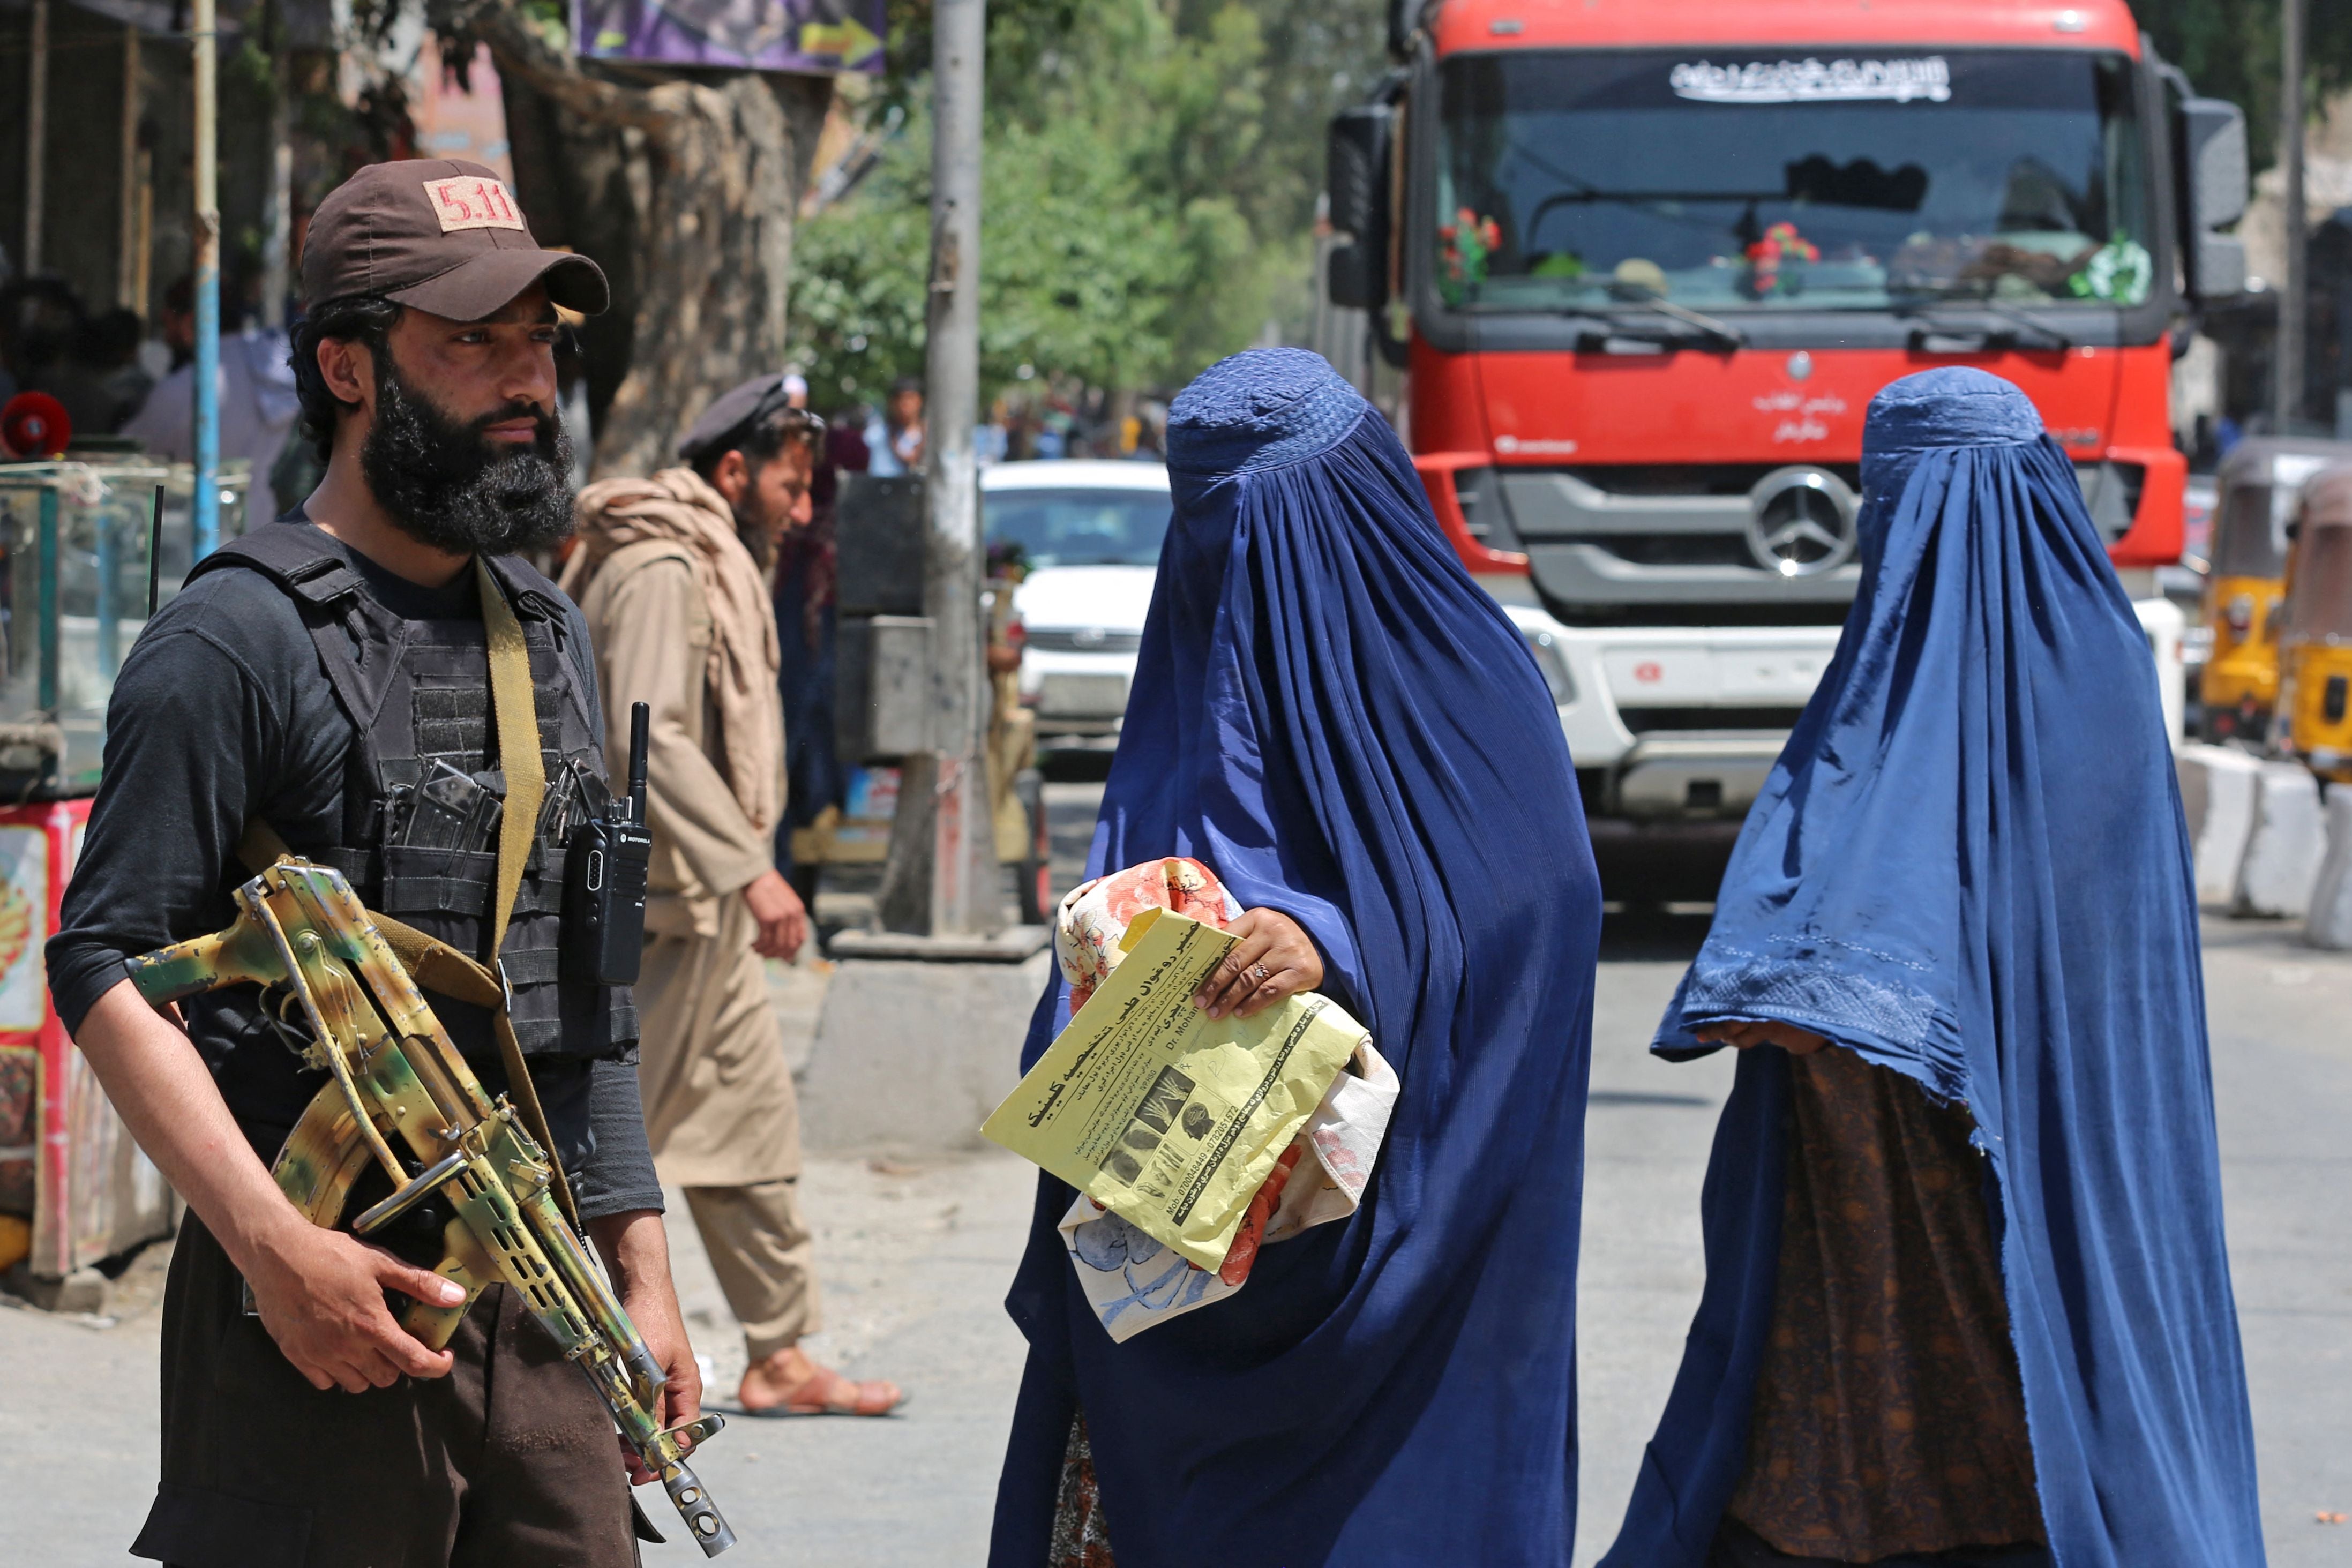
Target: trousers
[[765, 1258], [509, 1461]]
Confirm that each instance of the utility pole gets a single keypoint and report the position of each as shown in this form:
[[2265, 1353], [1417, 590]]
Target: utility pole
[[942, 880], [2288, 357], [126, 214], [277, 215], [204, 503], [36, 134]]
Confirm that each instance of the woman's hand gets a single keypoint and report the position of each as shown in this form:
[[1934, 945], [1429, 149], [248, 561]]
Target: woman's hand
[[1273, 958], [1740, 1034]]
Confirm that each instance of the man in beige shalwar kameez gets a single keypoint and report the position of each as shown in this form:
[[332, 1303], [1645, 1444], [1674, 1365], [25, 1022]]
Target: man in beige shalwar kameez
[[671, 573]]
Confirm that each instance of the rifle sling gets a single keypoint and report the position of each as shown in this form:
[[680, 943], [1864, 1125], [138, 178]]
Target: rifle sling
[[433, 964]]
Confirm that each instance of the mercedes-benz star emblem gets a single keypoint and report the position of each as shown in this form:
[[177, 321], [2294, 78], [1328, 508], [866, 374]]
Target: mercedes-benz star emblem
[[1089, 636], [1800, 522]]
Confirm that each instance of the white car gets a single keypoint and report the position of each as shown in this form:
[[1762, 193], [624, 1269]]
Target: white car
[[1089, 532]]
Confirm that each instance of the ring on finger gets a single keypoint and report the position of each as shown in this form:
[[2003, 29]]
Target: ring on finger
[[1260, 972]]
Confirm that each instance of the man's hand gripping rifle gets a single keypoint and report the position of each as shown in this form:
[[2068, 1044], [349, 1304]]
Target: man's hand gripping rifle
[[397, 1076]]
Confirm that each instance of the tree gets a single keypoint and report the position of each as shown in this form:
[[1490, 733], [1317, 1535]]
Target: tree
[[685, 189], [2230, 49], [1151, 171]]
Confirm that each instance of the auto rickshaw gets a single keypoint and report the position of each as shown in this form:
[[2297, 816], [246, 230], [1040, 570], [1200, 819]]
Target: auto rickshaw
[[2257, 486], [2313, 722]]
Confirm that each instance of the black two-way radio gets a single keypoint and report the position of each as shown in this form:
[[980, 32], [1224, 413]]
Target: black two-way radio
[[605, 880]]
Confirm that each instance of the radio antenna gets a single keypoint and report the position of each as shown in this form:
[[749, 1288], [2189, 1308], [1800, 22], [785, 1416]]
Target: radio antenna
[[640, 722], [154, 551]]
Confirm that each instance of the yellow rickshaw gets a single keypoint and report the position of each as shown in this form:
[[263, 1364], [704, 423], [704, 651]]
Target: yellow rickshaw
[[2256, 486], [2315, 649]]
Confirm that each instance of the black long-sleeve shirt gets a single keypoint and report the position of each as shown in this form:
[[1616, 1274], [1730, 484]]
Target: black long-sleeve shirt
[[222, 714]]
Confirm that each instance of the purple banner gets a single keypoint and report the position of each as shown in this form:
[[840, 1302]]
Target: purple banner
[[811, 35]]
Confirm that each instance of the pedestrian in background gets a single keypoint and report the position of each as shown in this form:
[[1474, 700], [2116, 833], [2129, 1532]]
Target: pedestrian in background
[[1341, 725], [896, 439], [258, 405], [1966, 1298], [672, 573], [807, 627]]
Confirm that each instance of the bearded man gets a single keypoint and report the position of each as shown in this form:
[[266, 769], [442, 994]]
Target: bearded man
[[326, 678], [672, 573]]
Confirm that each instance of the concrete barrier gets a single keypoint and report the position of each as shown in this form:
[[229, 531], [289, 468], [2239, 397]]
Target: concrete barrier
[[2329, 923], [2290, 838], [2217, 792], [910, 1056]]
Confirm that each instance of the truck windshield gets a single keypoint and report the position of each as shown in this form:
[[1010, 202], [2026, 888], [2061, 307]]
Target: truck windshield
[[1750, 181]]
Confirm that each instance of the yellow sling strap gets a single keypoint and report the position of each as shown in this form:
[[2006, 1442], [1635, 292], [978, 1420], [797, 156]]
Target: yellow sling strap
[[433, 964]]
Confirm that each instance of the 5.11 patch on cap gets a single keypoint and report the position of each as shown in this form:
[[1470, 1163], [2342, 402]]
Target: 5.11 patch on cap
[[472, 201]]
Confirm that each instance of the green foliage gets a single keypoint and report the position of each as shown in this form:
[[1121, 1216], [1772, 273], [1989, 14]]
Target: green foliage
[[1149, 191], [2230, 49]]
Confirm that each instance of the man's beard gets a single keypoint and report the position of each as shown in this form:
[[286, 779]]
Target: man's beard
[[757, 539], [446, 482]]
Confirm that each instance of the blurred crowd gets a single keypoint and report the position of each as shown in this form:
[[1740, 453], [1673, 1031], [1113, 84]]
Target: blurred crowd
[[122, 387], [129, 386]]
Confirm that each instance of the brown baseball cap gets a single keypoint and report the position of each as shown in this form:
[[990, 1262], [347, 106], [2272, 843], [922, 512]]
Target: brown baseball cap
[[442, 235]]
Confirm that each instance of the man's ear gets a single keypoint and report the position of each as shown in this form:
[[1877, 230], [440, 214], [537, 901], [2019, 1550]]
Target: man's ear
[[731, 478], [348, 366]]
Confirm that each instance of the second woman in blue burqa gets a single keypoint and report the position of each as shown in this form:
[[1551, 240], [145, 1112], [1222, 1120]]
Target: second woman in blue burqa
[[1967, 1301]]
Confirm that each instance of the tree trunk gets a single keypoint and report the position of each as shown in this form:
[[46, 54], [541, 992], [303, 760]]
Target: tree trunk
[[686, 192]]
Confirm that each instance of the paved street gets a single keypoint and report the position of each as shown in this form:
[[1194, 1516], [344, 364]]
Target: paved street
[[915, 1259]]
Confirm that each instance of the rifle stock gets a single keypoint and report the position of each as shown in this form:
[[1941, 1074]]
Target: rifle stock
[[398, 1080]]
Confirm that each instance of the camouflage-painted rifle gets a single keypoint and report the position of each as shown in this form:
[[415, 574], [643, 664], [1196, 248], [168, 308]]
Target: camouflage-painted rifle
[[397, 1076]]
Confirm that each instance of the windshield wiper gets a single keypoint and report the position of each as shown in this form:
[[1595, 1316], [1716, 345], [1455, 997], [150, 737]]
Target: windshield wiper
[[1987, 335], [1622, 323], [1720, 330]]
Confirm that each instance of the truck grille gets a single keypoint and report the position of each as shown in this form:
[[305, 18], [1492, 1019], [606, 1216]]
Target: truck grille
[[1671, 549], [1693, 478], [1661, 544], [1654, 720]]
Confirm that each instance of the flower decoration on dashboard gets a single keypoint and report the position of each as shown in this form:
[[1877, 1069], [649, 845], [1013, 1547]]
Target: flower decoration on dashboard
[[1463, 248], [1780, 243]]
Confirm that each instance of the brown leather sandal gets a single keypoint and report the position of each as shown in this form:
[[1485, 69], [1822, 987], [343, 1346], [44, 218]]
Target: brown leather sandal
[[828, 1393]]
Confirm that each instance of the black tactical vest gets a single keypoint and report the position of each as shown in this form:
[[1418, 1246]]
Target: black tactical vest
[[418, 696]]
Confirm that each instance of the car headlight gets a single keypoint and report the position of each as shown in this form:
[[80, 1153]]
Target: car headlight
[[1553, 662]]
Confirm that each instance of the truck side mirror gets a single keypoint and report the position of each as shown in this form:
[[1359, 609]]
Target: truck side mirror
[[1357, 177], [2213, 140]]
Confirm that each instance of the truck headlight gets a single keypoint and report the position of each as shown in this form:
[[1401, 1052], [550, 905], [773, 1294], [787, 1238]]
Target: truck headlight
[[1553, 662]]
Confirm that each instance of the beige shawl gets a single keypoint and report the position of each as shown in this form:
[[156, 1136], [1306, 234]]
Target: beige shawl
[[677, 505]]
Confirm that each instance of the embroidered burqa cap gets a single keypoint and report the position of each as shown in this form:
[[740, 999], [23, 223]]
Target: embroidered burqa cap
[[1331, 716], [1969, 867]]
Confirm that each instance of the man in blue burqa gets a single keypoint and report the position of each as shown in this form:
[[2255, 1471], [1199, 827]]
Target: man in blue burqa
[[1333, 717], [1967, 1301]]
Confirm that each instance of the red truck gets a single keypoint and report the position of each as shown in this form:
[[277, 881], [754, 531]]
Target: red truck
[[1644, 262]]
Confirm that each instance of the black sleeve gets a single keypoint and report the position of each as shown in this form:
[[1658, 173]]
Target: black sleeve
[[598, 1128], [190, 732], [619, 1178]]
